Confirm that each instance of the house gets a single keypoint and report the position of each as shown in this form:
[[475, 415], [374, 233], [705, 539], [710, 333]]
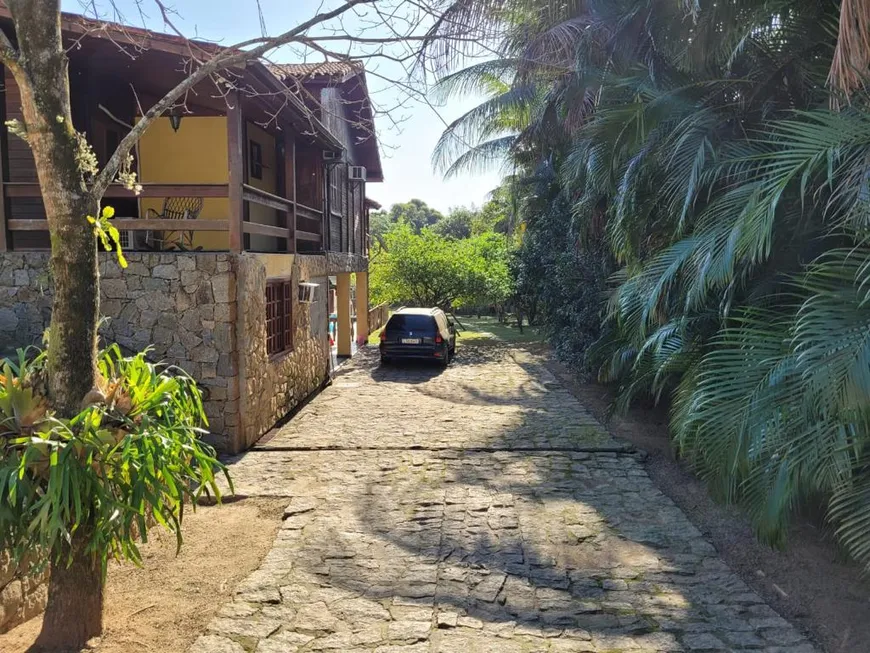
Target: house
[[253, 198]]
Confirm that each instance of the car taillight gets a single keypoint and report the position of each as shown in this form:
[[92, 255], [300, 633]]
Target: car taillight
[[438, 339], [383, 335]]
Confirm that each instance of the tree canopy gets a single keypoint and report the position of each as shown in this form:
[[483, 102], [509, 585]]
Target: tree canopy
[[446, 266]]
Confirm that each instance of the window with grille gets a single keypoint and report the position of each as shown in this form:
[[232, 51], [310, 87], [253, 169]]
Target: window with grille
[[279, 316]]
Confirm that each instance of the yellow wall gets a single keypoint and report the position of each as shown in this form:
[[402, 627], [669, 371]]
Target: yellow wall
[[277, 265], [195, 154], [269, 183]]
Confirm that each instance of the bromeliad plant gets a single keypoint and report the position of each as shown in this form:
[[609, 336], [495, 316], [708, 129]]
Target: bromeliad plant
[[88, 488]]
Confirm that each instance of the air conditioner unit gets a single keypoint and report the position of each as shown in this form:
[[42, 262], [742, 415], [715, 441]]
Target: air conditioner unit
[[357, 173], [306, 292], [332, 155]]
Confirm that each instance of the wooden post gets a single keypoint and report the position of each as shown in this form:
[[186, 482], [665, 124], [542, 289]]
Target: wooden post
[[290, 172], [235, 156], [343, 310], [346, 226], [362, 307], [326, 206]]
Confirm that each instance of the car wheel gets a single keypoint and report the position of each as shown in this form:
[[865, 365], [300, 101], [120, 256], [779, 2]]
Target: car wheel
[[385, 360], [445, 356]]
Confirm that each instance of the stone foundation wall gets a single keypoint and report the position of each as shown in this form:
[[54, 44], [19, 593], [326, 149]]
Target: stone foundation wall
[[273, 386], [342, 262], [183, 305]]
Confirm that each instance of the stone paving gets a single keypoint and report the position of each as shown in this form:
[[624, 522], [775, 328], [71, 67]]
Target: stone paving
[[478, 509]]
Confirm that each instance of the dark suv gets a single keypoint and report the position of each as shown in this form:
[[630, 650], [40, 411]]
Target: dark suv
[[422, 333]]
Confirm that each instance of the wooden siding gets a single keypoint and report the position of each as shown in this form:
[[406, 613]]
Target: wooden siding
[[346, 232]]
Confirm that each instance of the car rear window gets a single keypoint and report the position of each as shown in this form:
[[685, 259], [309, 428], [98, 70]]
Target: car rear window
[[411, 323]]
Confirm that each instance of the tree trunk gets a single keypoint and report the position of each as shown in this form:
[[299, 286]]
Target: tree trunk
[[75, 594], [44, 82], [74, 612], [533, 312]]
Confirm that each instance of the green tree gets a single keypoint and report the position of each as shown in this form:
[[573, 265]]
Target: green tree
[[428, 269], [415, 213], [380, 222], [458, 223]]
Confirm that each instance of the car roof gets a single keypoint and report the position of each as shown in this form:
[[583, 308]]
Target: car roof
[[416, 311]]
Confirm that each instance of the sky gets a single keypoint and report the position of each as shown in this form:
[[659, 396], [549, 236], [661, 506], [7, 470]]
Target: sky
[[407, 134]]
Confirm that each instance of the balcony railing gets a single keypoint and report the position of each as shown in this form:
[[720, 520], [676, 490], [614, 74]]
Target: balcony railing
[[303, 222]]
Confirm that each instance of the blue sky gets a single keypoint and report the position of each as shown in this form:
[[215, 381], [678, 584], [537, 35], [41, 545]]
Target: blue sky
[[406, 148]]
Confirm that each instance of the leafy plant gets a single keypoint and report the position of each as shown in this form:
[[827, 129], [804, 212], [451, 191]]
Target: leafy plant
[[108, 233], [88, 488]]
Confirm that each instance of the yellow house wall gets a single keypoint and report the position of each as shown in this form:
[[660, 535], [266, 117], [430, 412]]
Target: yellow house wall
[[277, 265], [269, 183], [195, 154]]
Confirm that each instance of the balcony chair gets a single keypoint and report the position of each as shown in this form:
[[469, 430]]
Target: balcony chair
[[174, 208]]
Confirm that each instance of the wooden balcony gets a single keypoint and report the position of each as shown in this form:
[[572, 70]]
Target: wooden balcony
[[302, 222], [240, 210]]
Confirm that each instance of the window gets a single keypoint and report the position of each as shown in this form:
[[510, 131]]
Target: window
[[336, 184], [256, 160], [411, 322], [279, 316]]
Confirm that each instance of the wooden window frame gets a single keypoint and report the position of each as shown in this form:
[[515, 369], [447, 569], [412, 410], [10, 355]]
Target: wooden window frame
[[279, 317]]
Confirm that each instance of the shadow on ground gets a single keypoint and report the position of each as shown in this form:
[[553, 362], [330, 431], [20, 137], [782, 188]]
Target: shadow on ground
[[514, 524]]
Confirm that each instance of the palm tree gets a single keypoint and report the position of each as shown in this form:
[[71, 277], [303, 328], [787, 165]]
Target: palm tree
[[699, 144]]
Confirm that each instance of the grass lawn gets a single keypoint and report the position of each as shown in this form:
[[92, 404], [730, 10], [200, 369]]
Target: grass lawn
[[489, 328], [485, 328]]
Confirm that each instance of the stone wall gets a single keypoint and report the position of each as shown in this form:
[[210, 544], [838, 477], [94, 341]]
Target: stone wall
[[340, 262], [273, 386], [181, 304], [22, 594]]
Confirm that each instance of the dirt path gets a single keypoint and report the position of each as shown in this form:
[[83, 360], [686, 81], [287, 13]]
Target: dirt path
[[477, 509], [163, 606]]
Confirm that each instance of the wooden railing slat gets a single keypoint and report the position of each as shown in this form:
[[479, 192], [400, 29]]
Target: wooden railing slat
[[308, 212], [308, 236], [266, 230], [24, 189], [134, 224], [259, 196]]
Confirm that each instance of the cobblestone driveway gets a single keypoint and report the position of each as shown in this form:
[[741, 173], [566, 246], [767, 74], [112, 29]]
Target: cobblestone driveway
[[479, 509]]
